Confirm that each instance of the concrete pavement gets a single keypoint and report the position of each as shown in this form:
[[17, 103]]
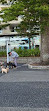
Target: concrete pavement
[[24, 96], [23, 74], [38, 66], [24, 89], [22, 109]]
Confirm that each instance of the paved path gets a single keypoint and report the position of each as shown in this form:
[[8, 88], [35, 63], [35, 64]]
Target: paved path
[[26, 94], [23, 89], [23, 74], [22, 109]]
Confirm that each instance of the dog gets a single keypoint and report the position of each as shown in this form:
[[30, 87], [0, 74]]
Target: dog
[[11, 65], [6, 70]]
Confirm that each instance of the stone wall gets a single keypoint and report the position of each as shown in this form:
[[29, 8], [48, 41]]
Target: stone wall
[[23, 59]]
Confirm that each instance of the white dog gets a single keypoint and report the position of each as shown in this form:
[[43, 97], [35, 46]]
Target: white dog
[[6, 70]]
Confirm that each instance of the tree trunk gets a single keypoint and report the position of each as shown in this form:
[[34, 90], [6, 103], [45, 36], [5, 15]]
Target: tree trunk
[[44, 55]]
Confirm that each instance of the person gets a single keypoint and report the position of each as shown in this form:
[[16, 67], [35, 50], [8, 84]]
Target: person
[[14, 57]]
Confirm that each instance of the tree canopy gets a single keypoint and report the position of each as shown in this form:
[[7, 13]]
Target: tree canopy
[[3, 1], [35, 13]]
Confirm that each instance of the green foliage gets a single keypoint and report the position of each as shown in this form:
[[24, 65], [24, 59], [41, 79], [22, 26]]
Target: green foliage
[[3, 26], [3, 54], [3, 1], [24, 52], [35, 14], [28, 52], [13, 12]]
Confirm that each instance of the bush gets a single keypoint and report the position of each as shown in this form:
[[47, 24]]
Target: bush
[[28, 52], [23, 53], [3, 54]]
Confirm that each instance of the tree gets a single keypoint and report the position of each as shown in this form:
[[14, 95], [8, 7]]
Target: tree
[[43, 12], [3, 1], [35, 15]]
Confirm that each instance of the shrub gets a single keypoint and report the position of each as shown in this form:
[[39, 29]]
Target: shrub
[[28, 52], [3, 53], [24, 52]]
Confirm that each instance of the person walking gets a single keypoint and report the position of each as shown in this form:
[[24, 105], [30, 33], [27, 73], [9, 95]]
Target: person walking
[[14, 56]]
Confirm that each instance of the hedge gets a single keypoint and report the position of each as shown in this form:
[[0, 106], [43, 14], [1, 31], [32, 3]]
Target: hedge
[[28, 52], [24, 52], [3, 54]]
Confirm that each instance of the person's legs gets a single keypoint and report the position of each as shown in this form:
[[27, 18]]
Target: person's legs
[[15, 61], [10, 65]]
